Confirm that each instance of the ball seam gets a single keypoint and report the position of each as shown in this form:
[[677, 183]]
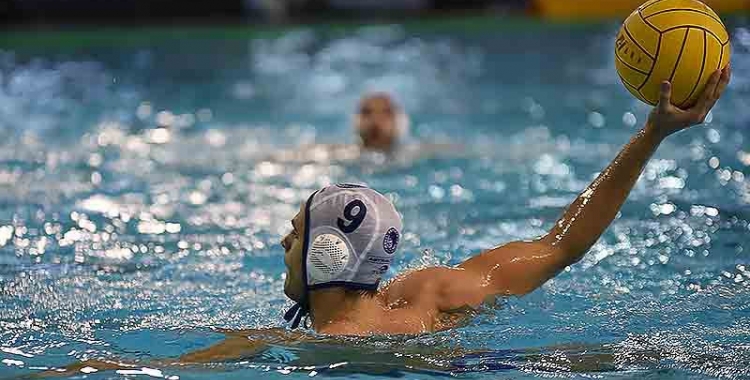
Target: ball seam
[[679, 56], [684, 10], [703, 67]]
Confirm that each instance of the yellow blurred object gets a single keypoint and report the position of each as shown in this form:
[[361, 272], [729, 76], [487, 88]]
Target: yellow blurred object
[[682, 41], [595, 9]]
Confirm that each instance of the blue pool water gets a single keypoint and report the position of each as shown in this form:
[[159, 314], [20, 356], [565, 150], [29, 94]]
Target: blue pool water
[[122, 241]]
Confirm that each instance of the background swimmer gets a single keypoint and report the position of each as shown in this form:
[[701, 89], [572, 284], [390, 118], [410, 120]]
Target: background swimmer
[[380, 122], [382, 127]]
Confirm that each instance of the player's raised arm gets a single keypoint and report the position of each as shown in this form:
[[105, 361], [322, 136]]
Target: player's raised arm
[[520, 267]]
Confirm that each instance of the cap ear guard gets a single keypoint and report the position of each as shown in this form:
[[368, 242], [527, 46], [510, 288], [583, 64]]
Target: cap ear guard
[[403, 124], [327, 257]]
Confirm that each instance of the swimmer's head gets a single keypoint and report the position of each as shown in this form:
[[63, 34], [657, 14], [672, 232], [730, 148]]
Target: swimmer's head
[[380, 122], [343, 236]]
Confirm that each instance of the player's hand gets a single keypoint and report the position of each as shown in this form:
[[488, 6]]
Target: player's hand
[[666, 118]]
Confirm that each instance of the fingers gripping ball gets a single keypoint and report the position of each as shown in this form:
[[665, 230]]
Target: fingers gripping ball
[[681, 41]]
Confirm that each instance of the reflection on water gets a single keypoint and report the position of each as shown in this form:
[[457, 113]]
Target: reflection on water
[[143, 193]]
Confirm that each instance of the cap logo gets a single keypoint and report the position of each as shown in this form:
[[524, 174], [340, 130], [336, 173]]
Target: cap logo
[[390, 241]]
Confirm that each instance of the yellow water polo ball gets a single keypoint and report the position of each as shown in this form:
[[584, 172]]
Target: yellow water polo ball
[[682, 41]]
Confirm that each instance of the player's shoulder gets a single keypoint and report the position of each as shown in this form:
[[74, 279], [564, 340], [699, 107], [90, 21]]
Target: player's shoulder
[[419, 285]]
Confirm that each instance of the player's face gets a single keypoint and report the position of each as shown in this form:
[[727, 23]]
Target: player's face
[[294, 287], [376, 122]]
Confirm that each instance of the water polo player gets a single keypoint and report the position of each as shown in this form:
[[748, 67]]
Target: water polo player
[[344, 238]]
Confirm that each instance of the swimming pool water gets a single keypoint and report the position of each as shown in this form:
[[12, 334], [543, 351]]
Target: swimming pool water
[[121, 240]]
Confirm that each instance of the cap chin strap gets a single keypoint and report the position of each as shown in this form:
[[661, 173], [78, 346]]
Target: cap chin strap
[[302, 308], [297, 312], [332, 255]]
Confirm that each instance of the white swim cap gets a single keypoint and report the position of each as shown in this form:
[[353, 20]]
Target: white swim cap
[[351, 234]]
